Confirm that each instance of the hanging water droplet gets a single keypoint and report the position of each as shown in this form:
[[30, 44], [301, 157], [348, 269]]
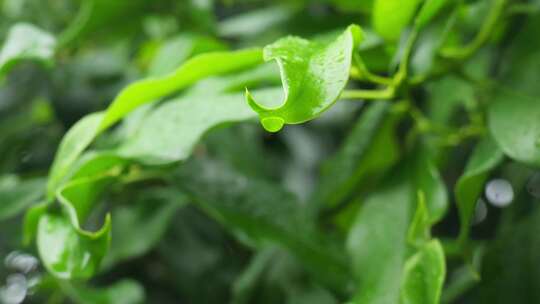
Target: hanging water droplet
[[21, 262], [533, 185], [499, 192], [480, 212], [272, 124], [15, 290]]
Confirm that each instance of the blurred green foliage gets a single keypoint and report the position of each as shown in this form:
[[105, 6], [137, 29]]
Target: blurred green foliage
[[252, 151]]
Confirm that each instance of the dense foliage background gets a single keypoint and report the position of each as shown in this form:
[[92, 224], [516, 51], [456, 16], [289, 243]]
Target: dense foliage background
[[389, 155]]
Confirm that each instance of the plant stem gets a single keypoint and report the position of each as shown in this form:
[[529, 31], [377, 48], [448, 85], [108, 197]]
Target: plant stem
[[464, 52], [361, 72], [382, 94]]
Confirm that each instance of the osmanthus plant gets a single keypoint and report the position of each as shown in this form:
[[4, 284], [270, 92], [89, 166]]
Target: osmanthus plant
[[440, 95]]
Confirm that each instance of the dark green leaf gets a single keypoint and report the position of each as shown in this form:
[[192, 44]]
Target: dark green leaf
[[259, 213], [369, 149], [485, 158], [122, 292]]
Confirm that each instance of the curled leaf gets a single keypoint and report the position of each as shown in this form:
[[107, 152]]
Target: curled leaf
[[313, 75], [68, 252]]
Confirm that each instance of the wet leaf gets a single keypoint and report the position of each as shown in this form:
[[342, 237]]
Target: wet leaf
[[424, 275], [313, 74], [138, 94], [391, 223], [189, 116], [68, 252]]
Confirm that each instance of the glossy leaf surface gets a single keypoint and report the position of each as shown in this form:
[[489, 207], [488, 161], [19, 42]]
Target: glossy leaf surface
[[424, 275], [313, 75], [139, 93], [67, 252]]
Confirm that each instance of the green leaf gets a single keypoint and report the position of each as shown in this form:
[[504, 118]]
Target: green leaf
[[368, 150], [26, 42], [97, 15], [137, 228], [424, 275], [178, 49], [419, 231], [429, 10], [122, 292], [68, 252], [83, 250], [260, 213], [509, 272], [191, 116], [16, 195], [486, 157], [427, 180], [313, 75], [515, 108], [377, 242], [193, 70], [514, 124], [390, 17], [76, 140], [387, 227], [140, 93], [256, 22]]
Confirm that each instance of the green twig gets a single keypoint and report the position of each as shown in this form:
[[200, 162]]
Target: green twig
[[382, 94], [464, 52]]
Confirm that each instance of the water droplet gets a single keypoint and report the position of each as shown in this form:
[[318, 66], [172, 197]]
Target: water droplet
[[533, 185], [21, 262], [15, 290], [480, 212], [272, 124], [499, 192]]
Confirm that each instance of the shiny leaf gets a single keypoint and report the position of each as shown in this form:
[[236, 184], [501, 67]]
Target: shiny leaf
[[138, 94], [68, 252], [313, 74], [424, 275]]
